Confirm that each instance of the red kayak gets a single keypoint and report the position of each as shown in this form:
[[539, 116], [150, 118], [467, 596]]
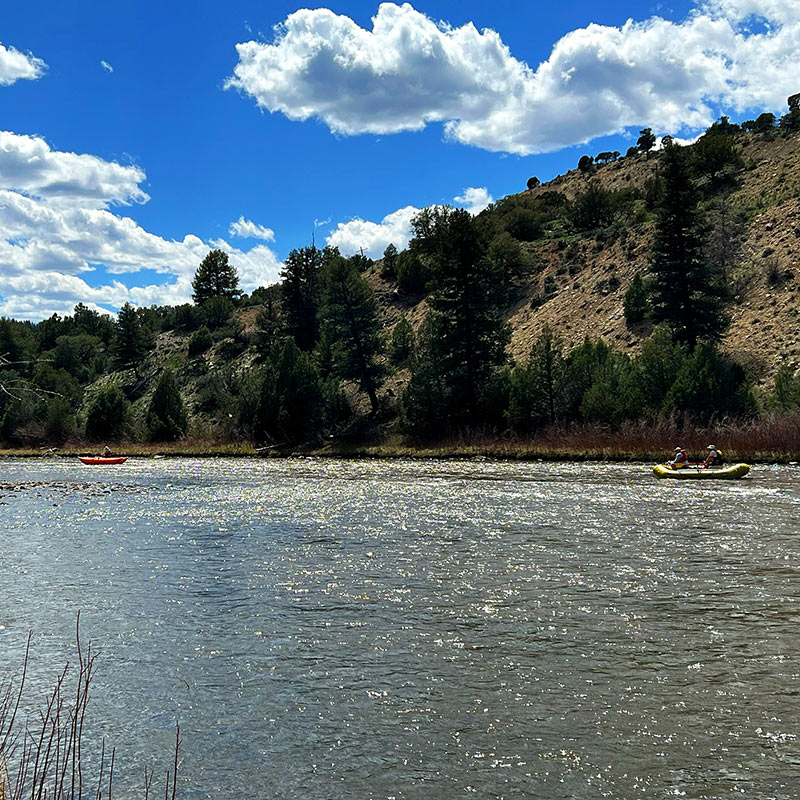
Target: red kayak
[[102, 460]]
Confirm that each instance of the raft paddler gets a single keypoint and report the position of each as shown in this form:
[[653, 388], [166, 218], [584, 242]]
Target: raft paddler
[[680, 460], [714, 458]]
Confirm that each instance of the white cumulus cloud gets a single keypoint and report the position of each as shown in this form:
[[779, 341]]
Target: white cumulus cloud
[[16, 66], [474, 199], [57, 226], [374, 237], [409, 71], [395, 228], [245, 228], [28, 164]]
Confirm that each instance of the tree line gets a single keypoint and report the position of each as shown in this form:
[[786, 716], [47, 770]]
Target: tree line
[[316, 359]]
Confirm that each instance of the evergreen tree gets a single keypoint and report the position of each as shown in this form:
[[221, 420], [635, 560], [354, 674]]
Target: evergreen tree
[[401, 343], [636, 301], [269, 322], [301, 290], [131, 341], [646, 141], [657, 367], [93, 323], [351, 324], [388, 268], [200, 341], [166, 416], [467, 295], [686, 292], [215, 277], [612, 396], [506, 254], [59, 421], [537, 390], [710, 386], [786, 393], [583, 365], [593, 208], [290, 407], [217, 311], [715, 157], [105, 420], [426, 399], [412, 274]]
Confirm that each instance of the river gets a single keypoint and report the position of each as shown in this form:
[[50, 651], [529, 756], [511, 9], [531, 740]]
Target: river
[[329, 629]]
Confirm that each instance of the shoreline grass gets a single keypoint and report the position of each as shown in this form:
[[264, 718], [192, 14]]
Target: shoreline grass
[[761, 442]]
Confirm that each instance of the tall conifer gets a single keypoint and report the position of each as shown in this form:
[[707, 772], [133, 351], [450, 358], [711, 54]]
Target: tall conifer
[[351, 324], [131, 340], [215, 277], [467, 294], [686, 292]]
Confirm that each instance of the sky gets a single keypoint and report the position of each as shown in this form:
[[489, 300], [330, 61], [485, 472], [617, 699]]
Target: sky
[[137, 136]]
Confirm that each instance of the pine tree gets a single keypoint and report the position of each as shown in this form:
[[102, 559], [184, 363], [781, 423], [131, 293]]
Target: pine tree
[[636, 301], [426, 399], [215, 277], [686, 292], [710, 386], [106, 417], [646, 141], [290, 407], [388, 268], [467, 296], [131, 341], [301, 291], [657, 367], [166, 416], [401, 342], [537, 391], [351, 323]]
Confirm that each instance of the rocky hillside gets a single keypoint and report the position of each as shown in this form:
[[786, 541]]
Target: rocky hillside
[[577, 283]]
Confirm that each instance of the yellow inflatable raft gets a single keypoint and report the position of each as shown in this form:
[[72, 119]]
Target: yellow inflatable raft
[[695, 472]]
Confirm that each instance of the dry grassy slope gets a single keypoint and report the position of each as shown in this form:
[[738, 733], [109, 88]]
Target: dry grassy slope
[[592, 277]]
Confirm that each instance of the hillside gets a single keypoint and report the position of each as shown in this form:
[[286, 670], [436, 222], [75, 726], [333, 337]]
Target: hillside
[[591, 274], [576, 243]]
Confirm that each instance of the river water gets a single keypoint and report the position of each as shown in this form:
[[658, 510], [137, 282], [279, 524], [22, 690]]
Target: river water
[[387, 629]]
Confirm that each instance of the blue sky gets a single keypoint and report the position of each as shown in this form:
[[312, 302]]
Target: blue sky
[[136, 136]]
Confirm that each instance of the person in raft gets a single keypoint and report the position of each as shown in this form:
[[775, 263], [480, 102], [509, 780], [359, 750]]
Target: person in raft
[[680, 460], [714, 457], [106, 452]]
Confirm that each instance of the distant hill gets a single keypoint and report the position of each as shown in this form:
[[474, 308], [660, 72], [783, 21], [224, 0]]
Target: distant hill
[[588, 273], [568, 250]]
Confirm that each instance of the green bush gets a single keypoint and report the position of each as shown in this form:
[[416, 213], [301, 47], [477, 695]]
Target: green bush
[[200, 341], [636, 301], [166, 416], [107, 415], [412, 274], [401, 342]]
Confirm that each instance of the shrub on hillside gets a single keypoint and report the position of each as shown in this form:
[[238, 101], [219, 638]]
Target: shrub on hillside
[[412, 274], [107, 415], [166, 416], [636, 301], [200, 341]]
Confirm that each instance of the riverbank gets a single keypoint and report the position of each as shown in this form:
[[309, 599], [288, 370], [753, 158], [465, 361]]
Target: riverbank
[[763, 442]]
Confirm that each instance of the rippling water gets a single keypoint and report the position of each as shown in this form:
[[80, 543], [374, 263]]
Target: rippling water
[[327, 629]]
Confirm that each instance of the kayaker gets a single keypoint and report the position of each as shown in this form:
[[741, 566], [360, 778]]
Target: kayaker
[[714, 457], [680, 460], [106, 452]]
